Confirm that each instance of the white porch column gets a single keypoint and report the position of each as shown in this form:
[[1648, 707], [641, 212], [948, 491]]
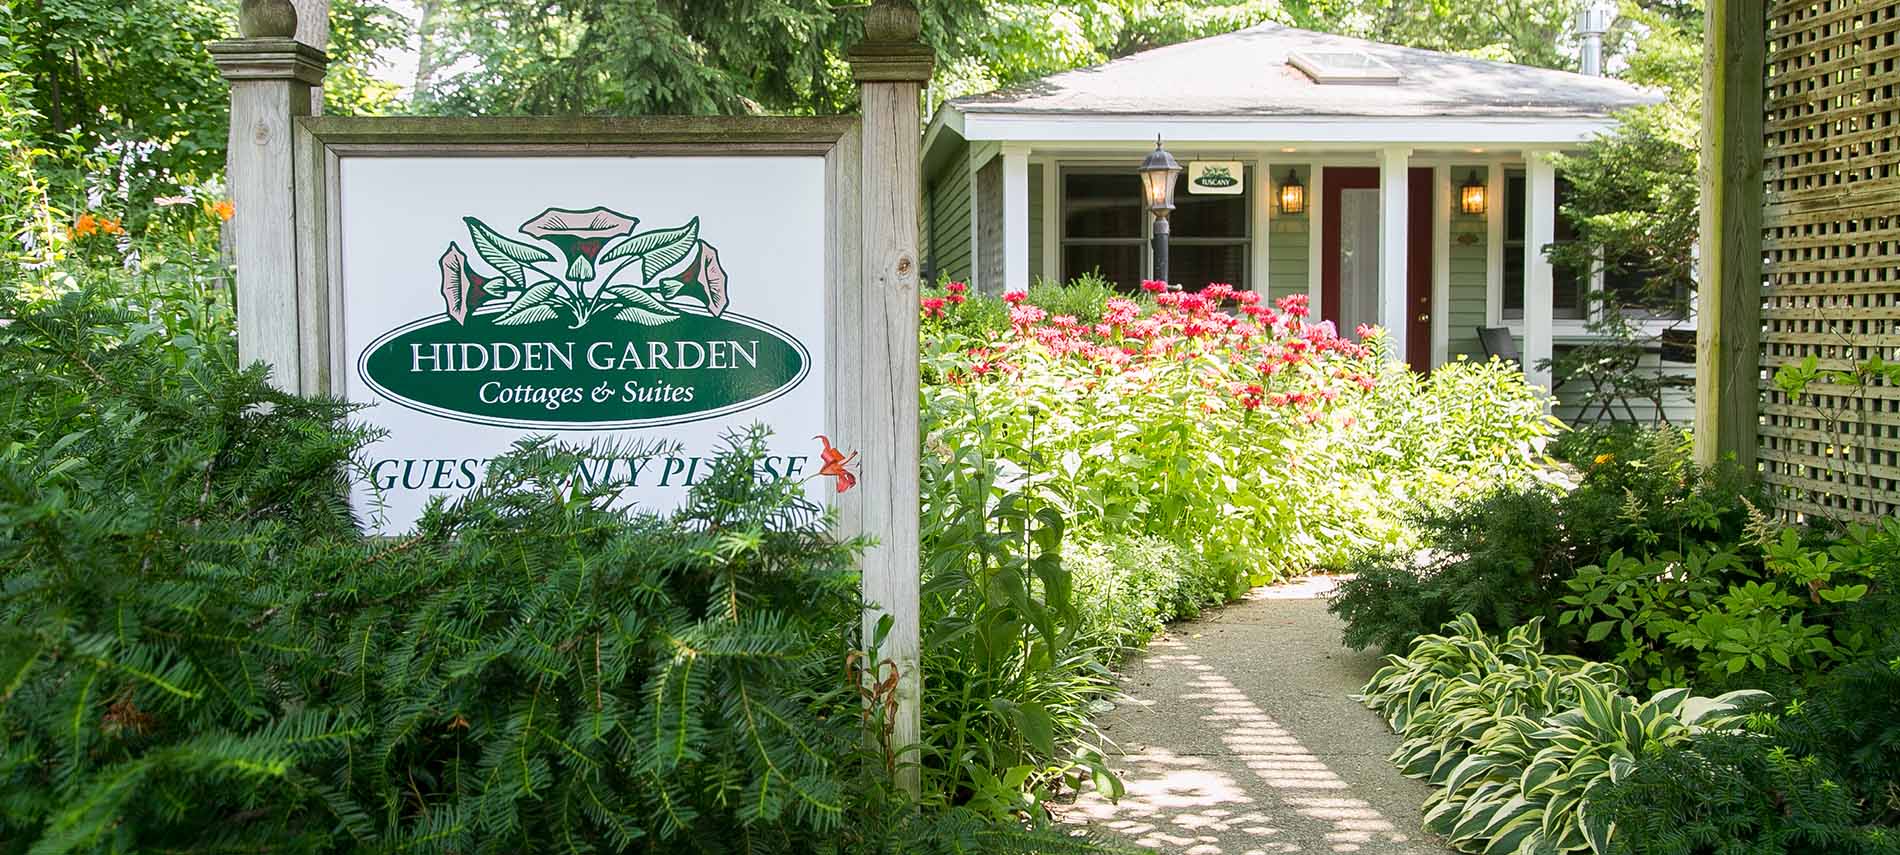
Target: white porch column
[[1262, 231], [1494, 243], [1316, 241], [1540, 229], [1015, 218], [1440, 307], [1051, 221], [1394, 243]]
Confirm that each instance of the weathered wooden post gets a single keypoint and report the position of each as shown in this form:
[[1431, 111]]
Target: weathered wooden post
[[272, 79], [1728, 347], [891, 66]]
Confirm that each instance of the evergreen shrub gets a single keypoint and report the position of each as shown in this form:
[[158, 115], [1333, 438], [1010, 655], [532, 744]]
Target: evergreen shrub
[[200, 652]]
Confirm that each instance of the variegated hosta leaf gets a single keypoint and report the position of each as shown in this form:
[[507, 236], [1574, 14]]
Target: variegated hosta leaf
[[1718, 713]]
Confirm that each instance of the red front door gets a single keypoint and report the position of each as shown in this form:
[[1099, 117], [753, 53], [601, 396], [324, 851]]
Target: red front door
[[1348, 287]]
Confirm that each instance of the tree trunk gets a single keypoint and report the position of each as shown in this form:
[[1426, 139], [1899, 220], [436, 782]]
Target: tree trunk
[[428, 53]]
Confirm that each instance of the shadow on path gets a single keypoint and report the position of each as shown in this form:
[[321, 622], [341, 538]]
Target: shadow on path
[[1238, 738]]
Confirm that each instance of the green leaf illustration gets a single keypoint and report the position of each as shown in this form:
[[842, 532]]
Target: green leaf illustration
[[509, 256], [645, 318], [658, 250], [640, 306], [534, 306]]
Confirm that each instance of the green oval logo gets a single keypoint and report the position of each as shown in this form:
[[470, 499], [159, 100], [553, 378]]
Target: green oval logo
[[608, 374], [617, 328]]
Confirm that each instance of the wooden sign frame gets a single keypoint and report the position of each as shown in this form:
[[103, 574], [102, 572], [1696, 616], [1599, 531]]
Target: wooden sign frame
[[283, 172]]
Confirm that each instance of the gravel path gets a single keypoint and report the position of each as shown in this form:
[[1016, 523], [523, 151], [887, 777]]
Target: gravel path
[[1238, 738]]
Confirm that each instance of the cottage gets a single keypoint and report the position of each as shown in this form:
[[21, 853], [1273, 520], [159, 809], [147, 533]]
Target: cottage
[[1401, 187]]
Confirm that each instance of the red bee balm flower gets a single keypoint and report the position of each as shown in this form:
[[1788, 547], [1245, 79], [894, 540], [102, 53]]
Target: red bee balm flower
[[1153, 286], [1014, 297], [956, 288], [933, 307]]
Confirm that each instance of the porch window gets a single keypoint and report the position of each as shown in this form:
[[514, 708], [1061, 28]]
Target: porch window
[[1566, 287], [1106, 228]]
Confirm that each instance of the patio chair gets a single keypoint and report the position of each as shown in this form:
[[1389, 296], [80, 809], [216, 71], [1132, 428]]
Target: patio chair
[[1497, 341]]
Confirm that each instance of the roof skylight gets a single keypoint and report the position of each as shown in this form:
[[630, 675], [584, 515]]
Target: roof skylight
[[1342, 67]]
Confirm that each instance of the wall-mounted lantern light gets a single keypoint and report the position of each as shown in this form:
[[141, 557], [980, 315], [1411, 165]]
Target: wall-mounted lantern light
[[1471, 198], [1292, 194], [1158, 173]]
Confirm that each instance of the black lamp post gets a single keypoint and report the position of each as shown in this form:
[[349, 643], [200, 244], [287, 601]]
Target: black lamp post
[[1158, 172]]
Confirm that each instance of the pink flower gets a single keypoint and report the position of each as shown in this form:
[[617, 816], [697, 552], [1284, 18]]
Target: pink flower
[[1248, 298], [1294, 305], [955, 298], [1365, 330], [1014, 297], [933, 307], [956, 287], [1153, 286], [1025, 315]]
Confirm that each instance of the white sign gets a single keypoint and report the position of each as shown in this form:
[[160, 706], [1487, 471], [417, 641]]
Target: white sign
[[1218, 177], [660, 299]]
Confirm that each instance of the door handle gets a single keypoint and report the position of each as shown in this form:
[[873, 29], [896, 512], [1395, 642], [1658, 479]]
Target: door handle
[[1424, 318]]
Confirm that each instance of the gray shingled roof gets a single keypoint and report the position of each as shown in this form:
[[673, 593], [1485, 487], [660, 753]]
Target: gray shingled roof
[[1245, 73]]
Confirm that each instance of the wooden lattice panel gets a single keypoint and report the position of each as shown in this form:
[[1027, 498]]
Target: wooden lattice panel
[[1832, 243]]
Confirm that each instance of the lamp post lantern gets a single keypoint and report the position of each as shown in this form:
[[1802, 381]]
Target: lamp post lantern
[[1158, 174]]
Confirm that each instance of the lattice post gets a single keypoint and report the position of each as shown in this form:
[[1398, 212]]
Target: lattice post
[[1728, 326]]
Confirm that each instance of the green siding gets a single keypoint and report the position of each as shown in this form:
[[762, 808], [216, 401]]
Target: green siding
[[1289, 247], [947, 220], [1469, 257], [1035, 222]]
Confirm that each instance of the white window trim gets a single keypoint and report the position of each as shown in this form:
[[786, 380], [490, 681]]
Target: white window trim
[[1564, 330]]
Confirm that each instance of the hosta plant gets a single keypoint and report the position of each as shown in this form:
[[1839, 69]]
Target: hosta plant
[[1517, 742]]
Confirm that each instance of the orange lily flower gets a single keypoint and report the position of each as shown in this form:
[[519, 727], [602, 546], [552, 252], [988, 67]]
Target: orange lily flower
[[836, 463]]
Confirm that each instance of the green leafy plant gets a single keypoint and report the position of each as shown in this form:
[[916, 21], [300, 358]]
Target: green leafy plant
[[1519, 743], [1016, 674], [1508, 556], [1819, 774], [1677, 619], [1262, 443]]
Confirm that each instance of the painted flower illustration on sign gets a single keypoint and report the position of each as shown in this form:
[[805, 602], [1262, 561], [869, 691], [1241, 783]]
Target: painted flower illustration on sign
[[580, 235], [462, 288], [642, 284]]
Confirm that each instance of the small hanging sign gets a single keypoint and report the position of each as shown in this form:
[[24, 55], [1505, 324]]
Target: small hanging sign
[[1217, 177]]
